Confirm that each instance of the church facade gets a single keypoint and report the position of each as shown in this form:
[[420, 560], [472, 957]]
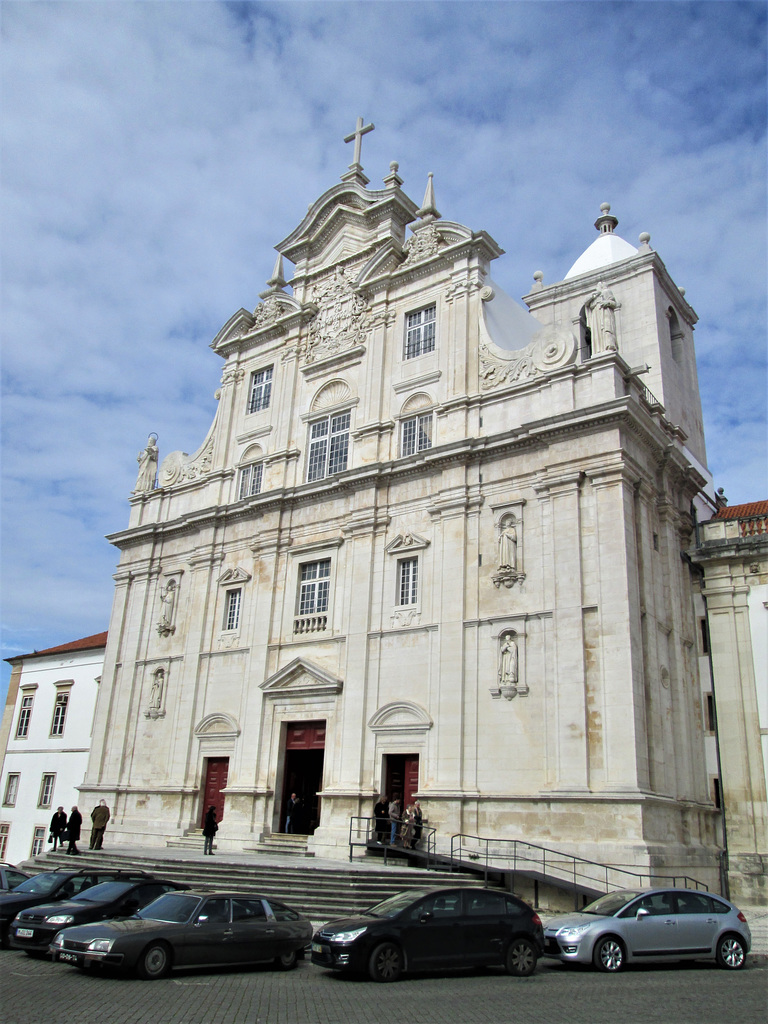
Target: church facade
[[431, 546]]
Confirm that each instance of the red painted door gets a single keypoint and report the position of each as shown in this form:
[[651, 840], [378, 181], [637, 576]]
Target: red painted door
[[411, 773], [402, 774], [216, 772]]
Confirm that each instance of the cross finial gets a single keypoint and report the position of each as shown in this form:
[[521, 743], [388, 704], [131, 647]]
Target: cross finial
[[357, 135]]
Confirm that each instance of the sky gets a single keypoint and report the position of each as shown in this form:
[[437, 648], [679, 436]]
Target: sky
[[153, 154]]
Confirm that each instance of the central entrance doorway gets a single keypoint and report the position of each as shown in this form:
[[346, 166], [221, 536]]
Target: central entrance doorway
[[303, 774], [401, 772], [216, 772]]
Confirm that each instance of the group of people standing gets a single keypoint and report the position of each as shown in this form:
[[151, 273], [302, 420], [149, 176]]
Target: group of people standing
[[407, 826], [67, 829]]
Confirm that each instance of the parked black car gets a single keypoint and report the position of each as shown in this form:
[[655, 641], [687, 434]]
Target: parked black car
[[35, 929], [51, 886], [10, 877], [190, 929], [433, 929]]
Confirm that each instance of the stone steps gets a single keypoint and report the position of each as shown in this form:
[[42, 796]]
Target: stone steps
[[319, 891]]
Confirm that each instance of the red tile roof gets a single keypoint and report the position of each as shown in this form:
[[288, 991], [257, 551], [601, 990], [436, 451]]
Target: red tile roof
[[752, 508], [88, 643]]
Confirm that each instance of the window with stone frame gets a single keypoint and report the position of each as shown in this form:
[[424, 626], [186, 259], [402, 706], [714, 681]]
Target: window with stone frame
[[38, 840], [261, 390], [328, 446], [415, 434], [11, 789], [420, 332], [46, 789], [5, 830], [407, 581], [60, 713], [232, 609], [250, 479], [25, 714], [314, 587]]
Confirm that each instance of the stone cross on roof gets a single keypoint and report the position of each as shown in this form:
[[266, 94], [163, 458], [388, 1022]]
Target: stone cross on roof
[[357, 135]]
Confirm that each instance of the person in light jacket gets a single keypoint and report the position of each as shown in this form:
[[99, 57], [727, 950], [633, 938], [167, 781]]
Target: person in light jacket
[[99, 816]]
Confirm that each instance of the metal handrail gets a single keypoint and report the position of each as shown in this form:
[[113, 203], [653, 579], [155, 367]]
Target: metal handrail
[[362, 832], [563, 867]]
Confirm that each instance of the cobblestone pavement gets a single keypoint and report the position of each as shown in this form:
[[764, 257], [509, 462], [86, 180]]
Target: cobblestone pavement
[[39, 992]]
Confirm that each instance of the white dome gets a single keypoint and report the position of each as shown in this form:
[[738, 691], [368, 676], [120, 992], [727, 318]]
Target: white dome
[[606, 248]]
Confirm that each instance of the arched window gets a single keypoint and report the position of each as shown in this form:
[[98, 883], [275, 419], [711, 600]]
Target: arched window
[[251, 472], [329, 432], [416, 425]]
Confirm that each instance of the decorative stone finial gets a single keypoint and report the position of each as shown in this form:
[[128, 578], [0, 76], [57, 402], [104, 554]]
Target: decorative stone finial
[[538, 277], [393, 179], [429, 211], [645, 240], [681, 290], [277, 282], [606, 222]]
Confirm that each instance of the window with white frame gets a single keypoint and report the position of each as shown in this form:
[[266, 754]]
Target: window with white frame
[[60, 713], [407, 581], [420, 332], [46, 790], [261, 390], [5, 829], [11, 789], [22, 726], [328, 446], [250, 480], [232, 609], [38, 840], [314, 587], [416, 434]]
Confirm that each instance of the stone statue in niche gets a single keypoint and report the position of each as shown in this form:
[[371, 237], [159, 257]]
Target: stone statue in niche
[[155, 704], [509, 684], [601, 308], [508, 571], [147, 461], [165, 626]]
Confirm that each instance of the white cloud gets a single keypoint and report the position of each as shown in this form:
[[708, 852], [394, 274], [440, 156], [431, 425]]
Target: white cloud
[[154, 153]]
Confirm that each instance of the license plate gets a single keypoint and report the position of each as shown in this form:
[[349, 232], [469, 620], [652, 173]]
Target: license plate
[[24, 933], [316, 947], [68, 958]]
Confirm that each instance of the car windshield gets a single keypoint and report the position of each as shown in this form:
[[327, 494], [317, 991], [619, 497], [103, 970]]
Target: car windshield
[[171, 907], [391, 907], [104, 892], [41, 885], [611, 904]]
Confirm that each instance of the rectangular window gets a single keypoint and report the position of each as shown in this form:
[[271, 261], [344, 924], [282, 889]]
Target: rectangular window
[[232, 613], [710, 712], [314, 587], [704, 636], [328, 446], [261, 390], [11, 789], [416, 434], [25, 714], [46, 790], [716, 798], [420, 332], [38, 840], [5, 829], [408, 580], [250, 480], [59, 713]]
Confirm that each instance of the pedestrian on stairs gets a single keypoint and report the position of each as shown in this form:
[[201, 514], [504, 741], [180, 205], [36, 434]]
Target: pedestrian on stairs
[[210, 828]]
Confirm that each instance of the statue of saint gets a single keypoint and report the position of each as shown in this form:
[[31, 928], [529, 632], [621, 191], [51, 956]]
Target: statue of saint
[[167, 601], [508, 663], [147, 461], [156, 693], [601, 306], [508, 545]]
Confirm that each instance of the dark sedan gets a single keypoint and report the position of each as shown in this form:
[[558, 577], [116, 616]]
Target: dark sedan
[[10, 877], [50, 887], [35, 929], [190, 930], [433, 929]]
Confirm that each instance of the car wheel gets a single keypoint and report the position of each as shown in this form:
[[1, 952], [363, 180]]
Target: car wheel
[[386, 962], [609, 955], [730, 953], [521, 958], [286, 961], [154, 962]]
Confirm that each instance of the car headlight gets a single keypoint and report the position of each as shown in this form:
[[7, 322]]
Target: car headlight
[[349, 936], [100, 945], [60, 919], [58, 941], [573, 933]]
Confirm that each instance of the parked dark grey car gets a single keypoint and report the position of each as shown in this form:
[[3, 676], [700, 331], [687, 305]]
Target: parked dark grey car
[[646, 925]]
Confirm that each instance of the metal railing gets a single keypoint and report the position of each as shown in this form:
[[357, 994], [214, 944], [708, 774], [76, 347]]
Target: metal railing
[[362, 832], [554, 866]]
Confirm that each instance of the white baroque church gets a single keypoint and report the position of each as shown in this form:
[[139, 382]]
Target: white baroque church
[[431, 545]]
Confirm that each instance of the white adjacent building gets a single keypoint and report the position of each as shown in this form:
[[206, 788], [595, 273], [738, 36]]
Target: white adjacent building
[[430, 545], [46, 737]]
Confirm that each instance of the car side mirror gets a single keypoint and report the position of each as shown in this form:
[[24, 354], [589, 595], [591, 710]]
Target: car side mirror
[[427, 916], [201, 920], [642, 912]]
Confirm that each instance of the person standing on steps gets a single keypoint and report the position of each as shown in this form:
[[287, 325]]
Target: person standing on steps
[[73, 829], [99, 816], [210, 828], [58, 824], [394, 820], [293, 815]]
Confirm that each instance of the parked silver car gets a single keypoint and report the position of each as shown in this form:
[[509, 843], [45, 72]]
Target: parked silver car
[[646, 925]]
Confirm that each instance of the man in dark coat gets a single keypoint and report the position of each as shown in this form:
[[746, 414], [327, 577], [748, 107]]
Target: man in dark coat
[[73, 829], [293, 814], [381, 814], [210, 828], [58, 824]]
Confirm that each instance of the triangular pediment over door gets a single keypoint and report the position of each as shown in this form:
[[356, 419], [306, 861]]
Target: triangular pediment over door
[[301, 678]]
